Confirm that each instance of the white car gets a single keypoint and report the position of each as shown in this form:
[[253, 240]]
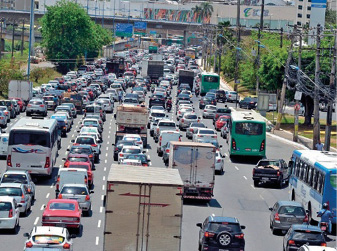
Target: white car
[[136, 138], [45, 237], [9, 213], [184, 110], [98, 72], [89, 140], [157, 107], [127, 150], [205, 135], [219, 162]]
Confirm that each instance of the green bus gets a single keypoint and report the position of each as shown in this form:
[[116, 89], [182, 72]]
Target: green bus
[[247, 134], [209, 81]]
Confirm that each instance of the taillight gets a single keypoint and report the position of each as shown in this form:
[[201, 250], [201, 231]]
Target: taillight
[[233, 144], [29, 244], [145, 164], [262, 146], [10, 213], [41, 105], [91, 156], [179, 139], [291, 242], [167, 150], [157, 130], [306, 218], [239, 236], [277, 217], [121, 154], [191, 130], [278, 173], [87, 197], [66, 164], [9, 160], [182, 120], [47, 165], [22, 199], [208, 234], [205, 111], [323, 244], [93, 145], [60, 196]]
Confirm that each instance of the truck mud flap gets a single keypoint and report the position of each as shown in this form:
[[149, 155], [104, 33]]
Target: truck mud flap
[[192, 197]]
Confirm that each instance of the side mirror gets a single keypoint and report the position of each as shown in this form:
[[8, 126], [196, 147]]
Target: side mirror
[[72, 141], [243, 227], [78, 131], [290, 164], [220, 146], [19, 205], [199, 225], [26, 235], [92, 191], [144, 151], [270, 209]]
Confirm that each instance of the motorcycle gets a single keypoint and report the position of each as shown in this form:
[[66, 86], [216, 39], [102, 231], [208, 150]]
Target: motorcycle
[[168, 107], [324, 226], [197, 92]]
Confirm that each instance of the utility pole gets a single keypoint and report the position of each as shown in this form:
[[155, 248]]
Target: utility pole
[[281, 38], [22, 36], [331, 99], [316, 136], [296, 111], [13, 25], [284, 85], [236, 74], [31, 37], [220, 51], [258, 49], [215, 47]]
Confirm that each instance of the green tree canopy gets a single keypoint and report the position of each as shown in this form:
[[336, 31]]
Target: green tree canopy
[[68, 33]]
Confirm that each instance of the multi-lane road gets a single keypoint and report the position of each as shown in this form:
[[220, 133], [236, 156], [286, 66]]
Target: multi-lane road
[[235, 195]]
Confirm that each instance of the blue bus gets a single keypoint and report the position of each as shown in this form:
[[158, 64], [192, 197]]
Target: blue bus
[[313, 180]]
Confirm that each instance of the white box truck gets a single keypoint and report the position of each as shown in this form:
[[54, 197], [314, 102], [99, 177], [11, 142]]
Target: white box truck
[[143, 209], [20, 89], [196, 165]]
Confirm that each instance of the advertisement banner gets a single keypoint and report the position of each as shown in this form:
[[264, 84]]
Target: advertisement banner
[[124, 30], [140, 28], [175, 15]]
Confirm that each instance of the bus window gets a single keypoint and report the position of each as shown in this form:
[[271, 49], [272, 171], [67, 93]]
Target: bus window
[[314, 181], [310, 172], [211, 79], [29, 138], [248, 128], [320, 182], [333, 181], [305, 173]]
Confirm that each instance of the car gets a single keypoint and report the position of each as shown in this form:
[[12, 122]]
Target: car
[[78, 192], [183, 110], [248, 103], [62, 213], [76, 157], [134, 137], [83, 165], [89, 140], [232, 96], [221, 233], [224, 131], [113, 93], [221, 111], [307, 247], [164, 124], [183, 97], [36, 106], [209, 111], [19, 176], [95, 109], [204, 135], [126, 150], [157, 107], [64, 108], [70, 119], [166, 153], [3, 119], [153, 126], [92, 122], [187, 119], [219, 162], [20, 193], [222, 120], [120, 144], [108, 106], [86, 130], [10, 107], [157, 99], [221, 96], [298, 235], [83, 149], [206, 100], [286, 213], [95, 116], [136, 159], [45, 237], [9, 213], [4, 110], [156, 114], [62, 122], [21, 104], [193, 129], [16, 106]]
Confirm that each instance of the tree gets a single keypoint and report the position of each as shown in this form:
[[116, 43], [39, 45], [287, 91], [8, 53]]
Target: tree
[[197, 12], [207, 10], [68, 34]]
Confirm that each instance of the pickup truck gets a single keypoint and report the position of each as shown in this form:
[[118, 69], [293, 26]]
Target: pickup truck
[[271, 171]]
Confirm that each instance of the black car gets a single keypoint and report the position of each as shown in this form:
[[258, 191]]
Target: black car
[[158, 98], [220, 96], [221, 233], [183, 97], [248, 103], [206, 100], [141, 156], [221, 111], [298, 235], [118, 147], [131, 96]]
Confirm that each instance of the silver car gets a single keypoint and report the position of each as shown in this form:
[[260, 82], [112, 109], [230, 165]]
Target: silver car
[[37, 106], [232, 96], [20, 193], [6, 113], [193, 128], [209, 111], [182, 111], [3, 119], [187, 119], [77, 192]]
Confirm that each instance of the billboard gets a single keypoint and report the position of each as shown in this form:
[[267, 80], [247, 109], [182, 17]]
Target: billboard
[[317, 16], [175, 15], [124, 30], [140, 28]]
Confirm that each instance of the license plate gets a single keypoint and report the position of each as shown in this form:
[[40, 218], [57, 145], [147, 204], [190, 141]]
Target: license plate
[[248, 149], [61, 225], [323, 228], [265, 178], [291, 219], [223, 249]]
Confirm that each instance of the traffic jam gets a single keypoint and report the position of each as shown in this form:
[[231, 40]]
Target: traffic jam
[[126, 143]]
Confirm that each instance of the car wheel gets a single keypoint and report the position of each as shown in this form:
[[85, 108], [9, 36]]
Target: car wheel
[[256, 183], [224, 239], [280, 183], [15, 230], [275, 231]]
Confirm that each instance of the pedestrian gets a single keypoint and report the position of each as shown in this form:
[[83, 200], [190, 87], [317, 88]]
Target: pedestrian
[[120, 94], [319, 146]]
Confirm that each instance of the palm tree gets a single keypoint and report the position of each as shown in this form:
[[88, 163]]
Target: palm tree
[[197, 11], [207, 10]]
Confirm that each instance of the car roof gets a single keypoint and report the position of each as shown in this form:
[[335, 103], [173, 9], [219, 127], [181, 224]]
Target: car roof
[[62, 201], [77, 155], [222, 219], [6, 199], [131, 147], [306, 227], [289, 203], [15, 171], [11, 185], [74, 185], [40, 230]]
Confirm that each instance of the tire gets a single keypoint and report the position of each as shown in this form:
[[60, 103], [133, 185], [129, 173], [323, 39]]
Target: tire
[[275, 231], [15, 230], [224, 239], [160, 154], [280, 183], [256, 183]]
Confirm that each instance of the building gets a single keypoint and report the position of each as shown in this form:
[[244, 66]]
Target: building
[[303, 12], [15, 4]]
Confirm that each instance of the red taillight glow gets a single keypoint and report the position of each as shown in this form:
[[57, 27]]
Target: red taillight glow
[[306, 218], [9, 160], [262, 146], [240, 236], [182, 120], [66, 164], [29, 244], [291, 242], [41, 105], [208, 234], [60, 196], [10, 213], [87, 197], [167, 150], [277, 217], [22, 199], [233, 144], [91, 156], [47, 165], [94, 145], [323, 244], [66, 246]]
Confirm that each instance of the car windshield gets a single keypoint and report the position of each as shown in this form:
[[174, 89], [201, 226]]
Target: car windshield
[[199, 125], [292, 210], [74, 190], [269, 163], [224, 226], [35, 102], [86, 167], [77, 159], [206, 132], [85, 141], [80, 150], [14, 178], [157, 108], [307, 235], [47, 239], [131, 151], [248, 128], [62, 206], [158, 115], [168, 124], [10, 191], [191, 116], [210, 108], [5, 206]]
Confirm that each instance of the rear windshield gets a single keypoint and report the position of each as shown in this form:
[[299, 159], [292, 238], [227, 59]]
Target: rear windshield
[[24, 137], [307, 236], [92, 109], [14, 178], [248, 128], [224, 226], [132, 151], [125, 143], [5, 206], [48, 239], [223, 110], [78, 166], [90, 122], [129, 100], [85, 141], [77, 159], [158, 115], [35, 102], [10, 191], [199, 125], [191, 116], [206, 132], [74, 190], [168, 124], [292, 210], [80, 150], [62, 206]]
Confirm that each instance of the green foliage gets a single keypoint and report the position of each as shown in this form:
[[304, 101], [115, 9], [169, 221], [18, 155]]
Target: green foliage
[[205, 10], [8, 71], [228, 63], [68, 33], [330, 17]]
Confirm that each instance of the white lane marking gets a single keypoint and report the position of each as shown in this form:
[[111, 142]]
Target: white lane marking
[[42, 207], [236, 168], [99, 223], [226, 154], [109, 132], [101, 209], [106, 155], [73, 135], [108, 143], [97, 240], [107, 148], [103, 177], [252, 186], [106, 161], [103, 187], [245, 177], [47, 196], [108, 136], [51, 186], [102, 197], [109, 127], [36, 220], [76, 126], [104, 169], [261, 197]]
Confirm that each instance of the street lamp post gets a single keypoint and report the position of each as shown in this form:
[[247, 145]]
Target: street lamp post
[[30, 36]]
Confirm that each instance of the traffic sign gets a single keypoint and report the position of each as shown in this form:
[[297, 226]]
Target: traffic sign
[[297, 107], [298, 95]]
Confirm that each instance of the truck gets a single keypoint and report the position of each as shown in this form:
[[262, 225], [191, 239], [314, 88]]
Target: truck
[[20, 89], [196, 165], [131, 119], [143, 209], [75, 98], [116, 65], [153, 49], [273, 171], [186, 77], [154, 69]]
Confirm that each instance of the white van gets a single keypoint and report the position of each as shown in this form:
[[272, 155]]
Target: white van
[[167, 136], [4, 144]]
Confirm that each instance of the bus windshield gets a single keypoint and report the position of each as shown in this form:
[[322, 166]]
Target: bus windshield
[[248, 128], [211, 79], [29, 138]]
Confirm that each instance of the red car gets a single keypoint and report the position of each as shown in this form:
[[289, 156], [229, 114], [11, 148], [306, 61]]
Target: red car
[[20, 103], [62, 213], [221, 121], [84, 165], [77, 157]]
